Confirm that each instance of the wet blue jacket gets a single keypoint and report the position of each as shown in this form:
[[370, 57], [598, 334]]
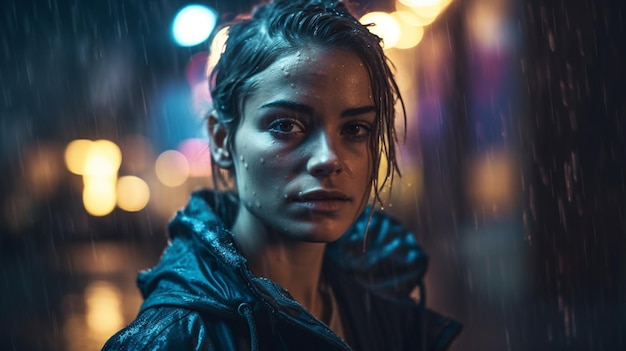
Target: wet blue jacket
[[201, 296]]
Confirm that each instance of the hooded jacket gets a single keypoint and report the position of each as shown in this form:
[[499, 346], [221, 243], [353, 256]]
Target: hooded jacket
[[202, 296]]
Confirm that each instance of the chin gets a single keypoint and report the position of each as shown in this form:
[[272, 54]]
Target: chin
[[322, 234]]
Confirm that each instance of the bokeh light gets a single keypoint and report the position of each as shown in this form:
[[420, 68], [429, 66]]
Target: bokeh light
[[103, 302], [411, 31], [133, 193], [98, 162], [193, 24], [104, 158], [426, 10], [218, 45], [76, 155], [491, 181], [172, 168], [198, 154], [486, 25], [99, 195], [384, 25]]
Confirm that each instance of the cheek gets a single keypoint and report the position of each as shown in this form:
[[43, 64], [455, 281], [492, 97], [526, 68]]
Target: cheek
[[256, 162]]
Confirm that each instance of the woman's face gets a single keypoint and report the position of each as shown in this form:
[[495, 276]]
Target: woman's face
[[301, 153]]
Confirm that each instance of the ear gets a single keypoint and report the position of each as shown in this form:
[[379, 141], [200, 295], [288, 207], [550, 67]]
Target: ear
[[218, 138]]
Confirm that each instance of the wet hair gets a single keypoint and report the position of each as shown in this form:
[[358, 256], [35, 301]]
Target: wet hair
[[280, 28]]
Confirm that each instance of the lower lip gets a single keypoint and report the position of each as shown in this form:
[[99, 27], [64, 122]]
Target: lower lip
[[323, 205]]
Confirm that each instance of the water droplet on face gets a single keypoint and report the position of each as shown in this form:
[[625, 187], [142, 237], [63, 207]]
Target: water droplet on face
[[257, 203], [293, 85], [262, 160], [245, 165], [299, 194], [241, 158], [285, 196]]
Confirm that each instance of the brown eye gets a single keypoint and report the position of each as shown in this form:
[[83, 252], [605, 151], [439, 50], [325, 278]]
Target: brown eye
[[358, 130], [286, 126]]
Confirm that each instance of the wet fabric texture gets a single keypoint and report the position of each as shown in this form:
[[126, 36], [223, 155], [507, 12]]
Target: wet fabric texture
[[201, 296]]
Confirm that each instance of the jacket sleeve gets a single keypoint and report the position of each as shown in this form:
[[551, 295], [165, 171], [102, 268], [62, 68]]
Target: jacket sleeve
[[163, 328]]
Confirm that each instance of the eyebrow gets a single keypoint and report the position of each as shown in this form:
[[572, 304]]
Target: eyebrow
[[297, 107]]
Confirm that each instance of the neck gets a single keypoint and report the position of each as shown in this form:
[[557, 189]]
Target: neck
[[295, 265]]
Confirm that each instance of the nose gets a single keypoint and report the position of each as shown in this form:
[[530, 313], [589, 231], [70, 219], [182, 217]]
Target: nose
[[324, 159]]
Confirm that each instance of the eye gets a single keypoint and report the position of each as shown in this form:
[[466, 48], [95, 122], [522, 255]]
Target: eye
[[358, 130], [286, 127]]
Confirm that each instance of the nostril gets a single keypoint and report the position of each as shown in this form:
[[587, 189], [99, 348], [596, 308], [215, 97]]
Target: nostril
[[323, 169]]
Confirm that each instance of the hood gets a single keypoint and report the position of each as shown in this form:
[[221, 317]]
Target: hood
[[202, 269], [200, 266]]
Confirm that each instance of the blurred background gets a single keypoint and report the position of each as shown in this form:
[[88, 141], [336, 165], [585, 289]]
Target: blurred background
[[513, 164]]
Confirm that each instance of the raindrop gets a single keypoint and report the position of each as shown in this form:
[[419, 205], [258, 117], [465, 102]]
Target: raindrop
[[262, 160]]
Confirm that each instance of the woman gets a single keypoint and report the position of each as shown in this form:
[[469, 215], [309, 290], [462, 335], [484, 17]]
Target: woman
[[303, 114]]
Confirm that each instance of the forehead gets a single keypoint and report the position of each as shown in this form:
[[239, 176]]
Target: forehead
[[311, 72], [319, 62]]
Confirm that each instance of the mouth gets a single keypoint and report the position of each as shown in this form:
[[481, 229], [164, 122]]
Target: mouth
[[322, 200], [322, 195]]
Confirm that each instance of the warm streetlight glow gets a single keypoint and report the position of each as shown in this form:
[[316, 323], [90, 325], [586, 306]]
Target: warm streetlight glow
[[87, 157], [103, 302], [486, 24], [133, 193], [383, 25], [76, 155], [426, 10], [103, 158], [172, 168], [98, 162], [491, 180], [411, 32], [99, 195], [218, 45]]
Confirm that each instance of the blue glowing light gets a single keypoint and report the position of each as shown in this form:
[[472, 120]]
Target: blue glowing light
[[193, 24]]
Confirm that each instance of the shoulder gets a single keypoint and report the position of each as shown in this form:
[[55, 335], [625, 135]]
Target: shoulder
[[162, 328]]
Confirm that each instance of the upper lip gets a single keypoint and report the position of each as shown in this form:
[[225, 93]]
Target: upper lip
[[322, 195]]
